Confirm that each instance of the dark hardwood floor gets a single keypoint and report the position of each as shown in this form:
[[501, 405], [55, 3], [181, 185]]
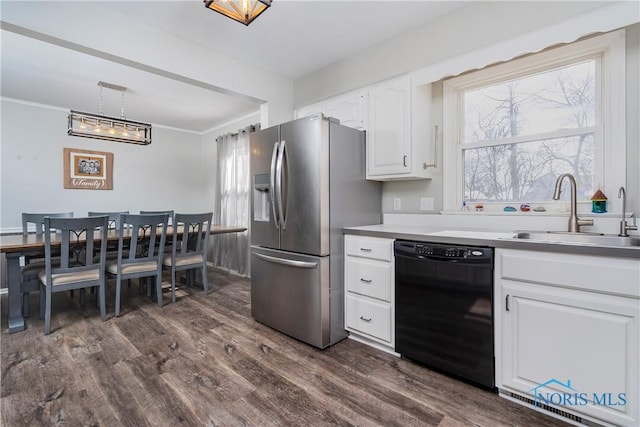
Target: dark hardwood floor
[[204, 361]]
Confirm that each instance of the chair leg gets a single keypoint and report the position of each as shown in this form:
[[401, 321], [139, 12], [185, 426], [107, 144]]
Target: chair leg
[[173, 285], [158, 280], [103, 304], [42, 301], [118, 281], [83, 297], [47, 311], [205, 283]]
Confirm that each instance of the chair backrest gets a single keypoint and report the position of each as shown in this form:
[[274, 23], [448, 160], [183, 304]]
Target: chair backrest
[[77, 240], [169, 212], [148, 234], [114, 217], [191, 233], [38, 220]]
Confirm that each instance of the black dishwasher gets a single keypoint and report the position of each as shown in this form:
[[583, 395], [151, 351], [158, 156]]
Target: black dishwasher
[[444, 308]]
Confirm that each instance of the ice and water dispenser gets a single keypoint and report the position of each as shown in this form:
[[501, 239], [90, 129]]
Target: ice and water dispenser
[[261, 197]]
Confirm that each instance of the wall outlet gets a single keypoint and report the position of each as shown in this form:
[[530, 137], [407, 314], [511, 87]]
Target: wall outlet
[[397, 204], [426, 203]]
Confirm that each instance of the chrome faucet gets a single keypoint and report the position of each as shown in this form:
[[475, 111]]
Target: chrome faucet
[[623, 222], [574, 222]]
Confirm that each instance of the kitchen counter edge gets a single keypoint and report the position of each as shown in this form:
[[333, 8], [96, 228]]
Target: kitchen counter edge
[[422, 234]]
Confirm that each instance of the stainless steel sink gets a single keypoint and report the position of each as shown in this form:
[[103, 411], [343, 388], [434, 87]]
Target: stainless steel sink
[[577, 238]]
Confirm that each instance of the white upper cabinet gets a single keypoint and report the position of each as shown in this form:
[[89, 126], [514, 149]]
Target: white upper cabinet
[[398, 136], [389, 131], [350, 109], [309, 110], [396, 116]]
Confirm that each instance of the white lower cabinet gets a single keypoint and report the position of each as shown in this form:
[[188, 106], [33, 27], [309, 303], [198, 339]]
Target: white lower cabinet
[[570, 345], [369, 290]]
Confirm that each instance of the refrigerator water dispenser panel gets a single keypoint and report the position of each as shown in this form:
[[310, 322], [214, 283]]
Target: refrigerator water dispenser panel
[[261, 197]]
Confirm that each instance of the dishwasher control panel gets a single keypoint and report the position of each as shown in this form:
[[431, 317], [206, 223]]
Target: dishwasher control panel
[[436, 250]]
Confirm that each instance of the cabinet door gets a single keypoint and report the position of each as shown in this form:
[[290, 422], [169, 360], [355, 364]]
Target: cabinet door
[[309, 110], [349, 109], [389, 128], [573, 349]]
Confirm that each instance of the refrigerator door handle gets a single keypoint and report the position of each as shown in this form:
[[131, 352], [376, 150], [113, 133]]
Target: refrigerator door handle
[[291, 263], [272, 184], [279, 177]]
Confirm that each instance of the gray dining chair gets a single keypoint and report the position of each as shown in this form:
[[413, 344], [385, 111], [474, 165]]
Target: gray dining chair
[[145, 251], [189, 245], [168, 212], [77, 268], [114, 224], [171, 213], [34, 263], [114, 218]]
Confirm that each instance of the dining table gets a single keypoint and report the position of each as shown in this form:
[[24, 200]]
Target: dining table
[[15, 246]]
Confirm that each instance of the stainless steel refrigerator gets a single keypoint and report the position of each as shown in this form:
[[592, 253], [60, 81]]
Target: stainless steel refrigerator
[[308, 182]]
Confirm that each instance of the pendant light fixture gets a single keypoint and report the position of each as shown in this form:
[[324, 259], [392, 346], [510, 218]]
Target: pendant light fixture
[[99, 126], [244, 11]]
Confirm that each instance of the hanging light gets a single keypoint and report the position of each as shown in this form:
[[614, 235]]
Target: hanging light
[[99, 126], [244, 11]]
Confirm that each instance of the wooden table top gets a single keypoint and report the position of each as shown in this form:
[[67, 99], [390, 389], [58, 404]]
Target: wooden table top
[[31, 242]]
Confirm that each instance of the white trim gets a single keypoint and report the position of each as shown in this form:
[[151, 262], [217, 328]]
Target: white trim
[[34, 104], [155, 125], [611, 48], [604, 19], [232, 121]]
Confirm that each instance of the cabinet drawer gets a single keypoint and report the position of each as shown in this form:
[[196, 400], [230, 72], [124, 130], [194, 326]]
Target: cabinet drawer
[[370, 247], [587, 272], [369, 317], [370, 278]]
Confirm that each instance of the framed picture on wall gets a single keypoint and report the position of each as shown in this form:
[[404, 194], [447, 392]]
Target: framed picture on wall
[[88, 170]]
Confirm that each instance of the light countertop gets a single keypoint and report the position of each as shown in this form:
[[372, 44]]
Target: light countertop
[[488, 238]]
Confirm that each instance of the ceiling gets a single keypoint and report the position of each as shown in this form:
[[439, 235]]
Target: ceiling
[[290, 39]]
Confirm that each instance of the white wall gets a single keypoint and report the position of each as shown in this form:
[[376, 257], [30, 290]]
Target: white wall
[[410, 192], [466, 29], [168, 174], [114, 35], [462, 31]]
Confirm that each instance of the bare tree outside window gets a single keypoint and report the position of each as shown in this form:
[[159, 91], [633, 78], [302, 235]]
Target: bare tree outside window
[[520, 134]]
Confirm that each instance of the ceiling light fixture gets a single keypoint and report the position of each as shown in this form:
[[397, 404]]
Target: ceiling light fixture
[[99, 126], [244, 11]]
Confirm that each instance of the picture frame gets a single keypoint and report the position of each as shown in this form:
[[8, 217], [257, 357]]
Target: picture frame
[[88, 170]]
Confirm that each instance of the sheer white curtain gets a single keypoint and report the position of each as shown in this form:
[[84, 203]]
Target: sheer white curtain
[[231, 251]]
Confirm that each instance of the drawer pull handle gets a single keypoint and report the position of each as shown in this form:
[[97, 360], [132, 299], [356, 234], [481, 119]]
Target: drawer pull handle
[[365, 280], [365, 249], [365, 319]]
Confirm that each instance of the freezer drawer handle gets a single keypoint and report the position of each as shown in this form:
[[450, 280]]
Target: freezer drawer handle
[[365, 319], [365, 280], [291, 263]]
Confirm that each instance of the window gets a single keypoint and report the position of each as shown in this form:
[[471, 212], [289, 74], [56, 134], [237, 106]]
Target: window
[[513, 128]]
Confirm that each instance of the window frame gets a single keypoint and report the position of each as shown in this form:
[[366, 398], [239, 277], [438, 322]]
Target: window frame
[[609, 129]]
